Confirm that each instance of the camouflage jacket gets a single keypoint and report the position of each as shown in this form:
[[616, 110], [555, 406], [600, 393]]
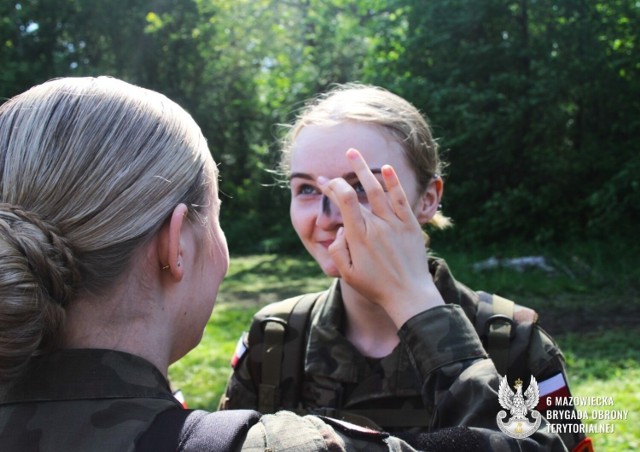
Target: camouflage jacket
[[82, 400], [104, 400], [440, 370]]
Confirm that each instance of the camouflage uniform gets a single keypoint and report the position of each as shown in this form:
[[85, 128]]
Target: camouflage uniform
[[440, 371], [103, 400], [82, 400]]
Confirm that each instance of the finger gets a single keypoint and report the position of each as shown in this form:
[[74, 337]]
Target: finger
[[396, 194], [375, 193], [345, 198], [339, 251]]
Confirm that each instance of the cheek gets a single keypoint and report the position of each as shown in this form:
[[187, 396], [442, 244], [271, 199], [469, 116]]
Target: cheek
[[302, 218], [215, 250], [221, 254], [297, 222]]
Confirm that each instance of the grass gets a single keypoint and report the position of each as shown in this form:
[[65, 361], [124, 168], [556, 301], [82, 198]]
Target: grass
[[590, 305], [606, 364]]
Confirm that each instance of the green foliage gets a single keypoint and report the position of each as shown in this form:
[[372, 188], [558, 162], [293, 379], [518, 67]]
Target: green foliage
[[529, 100], [605, 363], [577, 267], [624, 391], [265, 278], [602, 355], [203, 373], [535, 103]]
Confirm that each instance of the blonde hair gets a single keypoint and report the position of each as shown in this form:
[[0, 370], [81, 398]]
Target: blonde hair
[[90, 168], [375, 106]]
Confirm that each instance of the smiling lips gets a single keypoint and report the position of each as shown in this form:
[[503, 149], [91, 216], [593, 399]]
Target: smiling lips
[[326, 243]]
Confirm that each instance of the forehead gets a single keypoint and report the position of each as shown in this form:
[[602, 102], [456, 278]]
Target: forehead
[[320, 149]]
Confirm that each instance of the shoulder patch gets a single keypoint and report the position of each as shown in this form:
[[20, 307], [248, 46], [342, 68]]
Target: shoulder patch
[[552, 389], [179, 396], [241, 349]]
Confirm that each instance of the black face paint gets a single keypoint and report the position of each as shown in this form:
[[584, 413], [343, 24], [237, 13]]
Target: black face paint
[[326, 205]]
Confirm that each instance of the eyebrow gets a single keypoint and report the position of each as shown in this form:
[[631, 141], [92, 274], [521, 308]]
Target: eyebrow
[[347, 176]]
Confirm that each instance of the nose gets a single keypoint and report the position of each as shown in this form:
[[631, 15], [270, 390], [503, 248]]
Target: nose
[[329, 217]]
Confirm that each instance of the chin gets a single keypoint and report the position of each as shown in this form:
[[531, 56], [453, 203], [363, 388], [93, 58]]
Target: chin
[[330, 270], [193, 343], [324, 261]]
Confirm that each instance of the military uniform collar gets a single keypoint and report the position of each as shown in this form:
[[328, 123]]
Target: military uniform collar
[[75, 374], [344, 362], [330, 354], [326, 337]]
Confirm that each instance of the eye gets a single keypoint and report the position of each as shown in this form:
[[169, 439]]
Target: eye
[[358, 188], [306, 189]]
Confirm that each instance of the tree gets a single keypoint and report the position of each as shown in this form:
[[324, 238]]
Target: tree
[[526, 97], [535, 102]]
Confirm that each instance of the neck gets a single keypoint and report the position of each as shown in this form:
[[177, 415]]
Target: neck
[[110, 324], [367, 325]]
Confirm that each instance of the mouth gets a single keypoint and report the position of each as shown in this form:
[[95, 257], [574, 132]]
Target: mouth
[[326, 243]]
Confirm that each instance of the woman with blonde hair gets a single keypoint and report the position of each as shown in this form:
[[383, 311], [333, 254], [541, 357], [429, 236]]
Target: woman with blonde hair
[[111, 256], [392, 343]]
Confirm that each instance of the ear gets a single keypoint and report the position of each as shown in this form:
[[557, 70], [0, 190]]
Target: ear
[[430, 200], [169, 247]]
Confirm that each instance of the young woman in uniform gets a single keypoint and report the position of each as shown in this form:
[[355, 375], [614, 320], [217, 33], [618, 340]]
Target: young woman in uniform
[[392, 340]]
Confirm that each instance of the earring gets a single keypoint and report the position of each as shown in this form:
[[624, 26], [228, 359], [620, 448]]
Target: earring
[[166, 267]]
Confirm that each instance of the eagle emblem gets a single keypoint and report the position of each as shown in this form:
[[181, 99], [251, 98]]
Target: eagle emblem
[[518, 405]]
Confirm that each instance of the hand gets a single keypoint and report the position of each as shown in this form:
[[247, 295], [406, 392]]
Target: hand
[[380, 251]]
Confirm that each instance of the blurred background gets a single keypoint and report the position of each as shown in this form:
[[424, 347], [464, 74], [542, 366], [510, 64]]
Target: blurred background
[[535, 104]]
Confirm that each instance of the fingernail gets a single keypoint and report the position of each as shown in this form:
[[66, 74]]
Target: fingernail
[[352, 154], [321, 180]]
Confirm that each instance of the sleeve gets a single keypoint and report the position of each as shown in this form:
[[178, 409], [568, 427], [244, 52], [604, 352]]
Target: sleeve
[[546, 361], [287, 431], [240, 392], [459, 382]]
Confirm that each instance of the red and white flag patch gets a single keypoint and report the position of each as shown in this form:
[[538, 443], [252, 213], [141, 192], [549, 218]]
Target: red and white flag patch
[[550, 389], [241, 348], [180, 398]]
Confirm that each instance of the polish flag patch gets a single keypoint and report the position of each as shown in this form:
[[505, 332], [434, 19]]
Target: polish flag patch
[[241, 348], [179, 396], [550, 389]]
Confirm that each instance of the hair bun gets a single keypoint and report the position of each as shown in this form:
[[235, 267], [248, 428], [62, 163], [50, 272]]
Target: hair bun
[[47, 254], [38, 276]]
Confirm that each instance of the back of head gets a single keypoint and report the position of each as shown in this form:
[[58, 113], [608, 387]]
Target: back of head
[[376, 106], [90, 168]]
